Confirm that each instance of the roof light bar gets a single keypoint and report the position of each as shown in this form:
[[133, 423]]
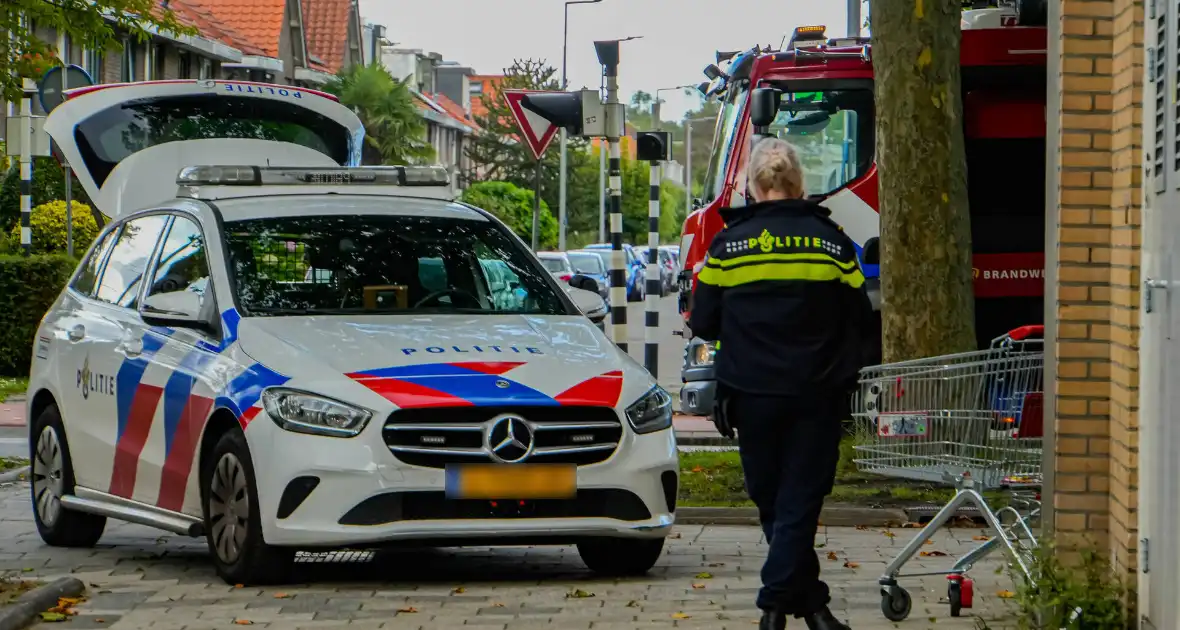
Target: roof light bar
[[212, 175], [814, 33]]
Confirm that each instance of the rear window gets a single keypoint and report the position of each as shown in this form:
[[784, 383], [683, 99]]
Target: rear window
[[554, 264], [113, 134], [586, 263]]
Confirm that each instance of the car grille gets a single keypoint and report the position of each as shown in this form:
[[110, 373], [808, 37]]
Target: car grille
[[434, 438]]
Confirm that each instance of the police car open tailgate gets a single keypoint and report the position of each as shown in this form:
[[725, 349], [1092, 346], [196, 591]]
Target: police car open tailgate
[[127, 142]]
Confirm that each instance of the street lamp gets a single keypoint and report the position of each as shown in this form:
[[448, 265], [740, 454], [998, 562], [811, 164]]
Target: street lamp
[[564, 84], [688, 160], [655, 106]]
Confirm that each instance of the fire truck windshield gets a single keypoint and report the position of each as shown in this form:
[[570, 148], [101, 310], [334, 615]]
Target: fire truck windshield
[[723, 137], [833, 130]]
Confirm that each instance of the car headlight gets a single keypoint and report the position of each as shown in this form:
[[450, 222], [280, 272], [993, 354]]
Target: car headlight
[[652, 412], [302, 412], [702, 353]]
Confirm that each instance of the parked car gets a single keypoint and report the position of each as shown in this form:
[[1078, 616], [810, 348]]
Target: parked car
[[590, 264], [667, 270], [635, 288], [558, 264]]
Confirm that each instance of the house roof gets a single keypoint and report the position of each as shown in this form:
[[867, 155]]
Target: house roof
[[326, 25], [259, 22], [454, 110], [191, 14], [434, 112], [488, 81]]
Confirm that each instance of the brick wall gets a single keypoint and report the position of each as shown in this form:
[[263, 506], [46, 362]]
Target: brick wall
[[1099, 157]]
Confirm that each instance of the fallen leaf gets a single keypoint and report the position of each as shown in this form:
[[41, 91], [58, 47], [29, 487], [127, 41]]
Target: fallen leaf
[[578, 594], [675, 536], [889, 534], [1006, 594], [698, 469], [929, 542], [681, 616], [282, 596], [832, 555], [497, 605], [862, 527], [632, 604], [983, 538], [52, 617], [932, 554], [67, 602], [458, 589], [243, 622], [820, 546], [911, 525], [71, 611], [698, 586], [28, 569], [238, 585], [851, 565], [408, 609], [704, 575]]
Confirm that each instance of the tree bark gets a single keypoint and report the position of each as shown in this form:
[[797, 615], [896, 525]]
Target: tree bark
[[927, 299]]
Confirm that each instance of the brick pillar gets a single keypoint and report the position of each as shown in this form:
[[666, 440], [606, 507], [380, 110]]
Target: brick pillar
[[1081, 477]]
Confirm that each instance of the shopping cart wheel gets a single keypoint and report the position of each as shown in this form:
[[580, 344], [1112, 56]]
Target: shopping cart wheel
[[895, 603]]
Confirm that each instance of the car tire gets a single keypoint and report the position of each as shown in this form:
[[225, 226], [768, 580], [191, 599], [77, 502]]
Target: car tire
[[235, 541], [51, 472], [621, 557]]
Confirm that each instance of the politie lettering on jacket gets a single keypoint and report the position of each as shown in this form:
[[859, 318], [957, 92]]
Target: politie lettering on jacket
[[767, 242], [473, 349]]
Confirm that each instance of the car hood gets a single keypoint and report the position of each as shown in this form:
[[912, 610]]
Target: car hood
[[448, 360]]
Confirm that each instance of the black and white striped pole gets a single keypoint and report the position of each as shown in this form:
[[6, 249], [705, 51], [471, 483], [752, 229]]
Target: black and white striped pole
[[608, 56], [655, 148], [26, 166]]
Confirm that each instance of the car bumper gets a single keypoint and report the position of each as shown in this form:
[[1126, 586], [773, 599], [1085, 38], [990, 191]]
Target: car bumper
[[365, 495]]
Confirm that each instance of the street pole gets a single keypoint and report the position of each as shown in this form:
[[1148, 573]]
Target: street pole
[[651, 322], [69, 178], [537, 205], [608, 54], [564, 167], [687, 166], [26, 166], [603, 147], [854, 18]]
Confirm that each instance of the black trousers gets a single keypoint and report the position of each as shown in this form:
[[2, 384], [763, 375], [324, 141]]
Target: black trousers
[[789, 449]]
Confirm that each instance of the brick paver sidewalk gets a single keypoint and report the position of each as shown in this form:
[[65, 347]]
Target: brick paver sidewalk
[[12, 414], [142, 579]]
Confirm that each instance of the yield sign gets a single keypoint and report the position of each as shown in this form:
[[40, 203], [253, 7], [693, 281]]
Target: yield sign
[[537, 131]]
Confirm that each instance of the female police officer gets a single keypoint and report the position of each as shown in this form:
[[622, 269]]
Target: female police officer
[[782, 291]]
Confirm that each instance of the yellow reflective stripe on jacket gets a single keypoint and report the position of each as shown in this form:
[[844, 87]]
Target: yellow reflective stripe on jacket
[[759, 267]]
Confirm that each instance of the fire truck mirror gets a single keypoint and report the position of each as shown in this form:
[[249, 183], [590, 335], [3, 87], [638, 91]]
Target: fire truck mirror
[[764, 106], [697, 203], [872, 251]]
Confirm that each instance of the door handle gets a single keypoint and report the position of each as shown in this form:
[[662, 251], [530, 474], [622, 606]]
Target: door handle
[[133, 347], [77, 333]]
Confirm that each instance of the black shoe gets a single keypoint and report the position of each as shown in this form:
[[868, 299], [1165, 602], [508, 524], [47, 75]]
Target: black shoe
[[824, 620], [772, 620]]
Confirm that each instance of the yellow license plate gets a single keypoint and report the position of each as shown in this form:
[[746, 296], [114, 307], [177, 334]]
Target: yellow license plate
[[511, 481]]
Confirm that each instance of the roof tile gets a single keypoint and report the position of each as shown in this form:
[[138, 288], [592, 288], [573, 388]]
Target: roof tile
[[259, 22], [210, 27], [326, 25]]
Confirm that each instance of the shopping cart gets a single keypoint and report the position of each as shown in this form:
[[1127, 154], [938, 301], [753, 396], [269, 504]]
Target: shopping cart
[[972, 420]]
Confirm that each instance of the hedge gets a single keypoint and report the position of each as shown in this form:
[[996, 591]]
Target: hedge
[[48, 222], [28, 287], [48, 185]]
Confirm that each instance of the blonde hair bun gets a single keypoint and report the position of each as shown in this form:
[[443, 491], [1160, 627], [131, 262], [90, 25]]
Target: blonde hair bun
[[775, 167]]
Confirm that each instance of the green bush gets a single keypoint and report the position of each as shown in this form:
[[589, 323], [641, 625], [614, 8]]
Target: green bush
[[514, 206], [48, 185], [49, 228], [28, 286]]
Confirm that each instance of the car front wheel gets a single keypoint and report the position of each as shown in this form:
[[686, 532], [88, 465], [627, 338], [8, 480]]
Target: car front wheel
[[233, 525], [621, 557], [52, 474]]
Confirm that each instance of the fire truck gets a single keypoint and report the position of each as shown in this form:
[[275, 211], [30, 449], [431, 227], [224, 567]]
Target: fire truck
[[823, 89]]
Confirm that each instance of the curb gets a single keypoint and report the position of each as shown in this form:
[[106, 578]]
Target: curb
[[24, 611], [14, 475], [705, 441], [832, 516]]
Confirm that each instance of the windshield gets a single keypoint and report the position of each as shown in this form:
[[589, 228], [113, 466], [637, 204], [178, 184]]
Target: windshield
[[111, 135], [587, 263], [306, 265], [727, 124], [554, 264], [832, 130]]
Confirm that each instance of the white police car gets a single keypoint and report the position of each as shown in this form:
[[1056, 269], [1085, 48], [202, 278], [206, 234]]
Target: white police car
[[310, 357]]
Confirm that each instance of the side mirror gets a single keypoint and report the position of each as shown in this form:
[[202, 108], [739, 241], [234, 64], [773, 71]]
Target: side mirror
[[764, 104], [712, 71], [585, 283], [181, 309], [591, 304], [872, 251]]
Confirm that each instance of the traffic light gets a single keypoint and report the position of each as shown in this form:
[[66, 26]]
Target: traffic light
[[581, 112], [653, 146]]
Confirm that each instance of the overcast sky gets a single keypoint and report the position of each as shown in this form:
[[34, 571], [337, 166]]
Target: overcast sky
[[680, 37]]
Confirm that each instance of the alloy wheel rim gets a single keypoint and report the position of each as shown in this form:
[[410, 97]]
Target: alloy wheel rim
[[47, 473], [229, 508]]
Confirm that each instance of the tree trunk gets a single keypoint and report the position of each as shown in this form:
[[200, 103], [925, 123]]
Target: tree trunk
[[927, 301]]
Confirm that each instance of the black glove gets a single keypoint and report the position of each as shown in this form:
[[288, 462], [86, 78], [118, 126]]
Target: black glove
[[721, 418]]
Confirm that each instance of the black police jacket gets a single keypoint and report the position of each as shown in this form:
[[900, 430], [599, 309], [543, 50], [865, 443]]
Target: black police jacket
[[783, 294]]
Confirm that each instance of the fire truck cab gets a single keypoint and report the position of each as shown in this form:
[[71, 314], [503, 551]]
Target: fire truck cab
[[826, 110]]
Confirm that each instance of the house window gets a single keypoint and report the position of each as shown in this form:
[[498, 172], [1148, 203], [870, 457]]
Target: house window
[[64, 53], [92, 62], [158, 61], [129, 61], [186, 65], [476, 88], [206, 69]]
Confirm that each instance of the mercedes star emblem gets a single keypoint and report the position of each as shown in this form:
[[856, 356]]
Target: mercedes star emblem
[[509, 439], [502, 384]]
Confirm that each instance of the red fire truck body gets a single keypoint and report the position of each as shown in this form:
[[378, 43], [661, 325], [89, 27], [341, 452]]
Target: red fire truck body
[[1003, 91]]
